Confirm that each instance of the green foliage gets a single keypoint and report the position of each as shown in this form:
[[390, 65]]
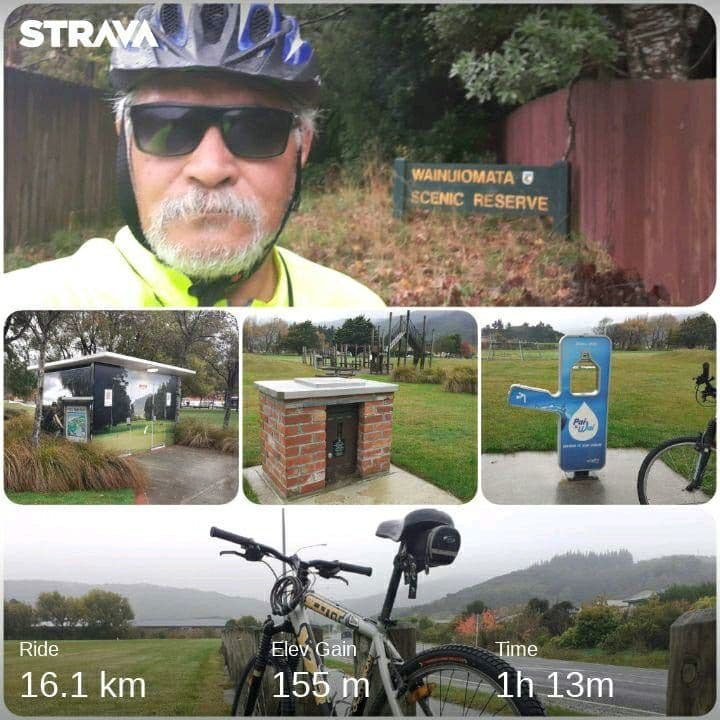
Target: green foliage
[[59, 610], [385, 91], [107, 614], [19, 619], [300, 335], [646, 627], [697, 331], [592, 626], [558, 618], [449, 344], [476, 607], [688, 592], [355, 331], [546, 51]]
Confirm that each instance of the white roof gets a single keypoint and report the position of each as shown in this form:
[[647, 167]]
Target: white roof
[[126, 361], [322, 387]]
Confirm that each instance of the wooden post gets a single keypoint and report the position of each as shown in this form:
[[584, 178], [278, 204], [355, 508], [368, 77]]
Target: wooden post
[[389, 340], [692, 676], [407, 337], [422, 356], [432, 345], [404, 638]]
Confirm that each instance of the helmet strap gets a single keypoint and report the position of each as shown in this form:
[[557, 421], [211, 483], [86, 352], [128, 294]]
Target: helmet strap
[[125, 190]]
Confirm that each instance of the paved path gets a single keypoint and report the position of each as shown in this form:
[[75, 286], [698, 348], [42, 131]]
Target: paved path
[[534, 478], [182, 475], [397, 487]]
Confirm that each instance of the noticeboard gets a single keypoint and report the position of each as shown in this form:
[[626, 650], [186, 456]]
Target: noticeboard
[[76, 423], [525, 190]]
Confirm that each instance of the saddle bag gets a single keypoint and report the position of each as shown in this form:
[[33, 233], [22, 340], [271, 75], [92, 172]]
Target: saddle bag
[[435, 546]]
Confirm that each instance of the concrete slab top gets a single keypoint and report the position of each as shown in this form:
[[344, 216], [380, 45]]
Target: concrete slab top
[[322, 387]]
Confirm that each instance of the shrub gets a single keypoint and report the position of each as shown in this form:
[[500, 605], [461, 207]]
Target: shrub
[[404, 374], [196, 433], [461, 379], [705, 603], [592, 626], [60, 466], [432, 376]]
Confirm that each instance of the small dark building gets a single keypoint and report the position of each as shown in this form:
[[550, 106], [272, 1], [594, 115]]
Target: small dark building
[[125, 403]]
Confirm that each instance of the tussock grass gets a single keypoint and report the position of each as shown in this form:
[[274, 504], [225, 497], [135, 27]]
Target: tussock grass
[[452, 379], [461, 380], [198, 434], [61, 466]]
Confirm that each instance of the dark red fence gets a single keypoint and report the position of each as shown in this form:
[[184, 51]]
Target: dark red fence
[[59, 157], [642, 173]]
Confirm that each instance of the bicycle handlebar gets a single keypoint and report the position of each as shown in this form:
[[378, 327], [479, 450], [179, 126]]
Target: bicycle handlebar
[[334, 566], [256, 550]]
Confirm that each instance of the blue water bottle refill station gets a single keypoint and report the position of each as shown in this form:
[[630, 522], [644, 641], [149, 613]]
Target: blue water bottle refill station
[[581, 402]]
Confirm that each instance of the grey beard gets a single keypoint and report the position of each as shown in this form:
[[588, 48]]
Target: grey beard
[[215, 260]]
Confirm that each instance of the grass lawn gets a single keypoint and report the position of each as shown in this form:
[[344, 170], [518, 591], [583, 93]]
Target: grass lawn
[[211, 417], [654, 659], [182, 677], [652, 398], [434, 433], [77, 497]]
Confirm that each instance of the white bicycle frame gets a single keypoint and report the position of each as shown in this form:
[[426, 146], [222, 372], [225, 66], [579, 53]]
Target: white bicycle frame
[[381, 651]]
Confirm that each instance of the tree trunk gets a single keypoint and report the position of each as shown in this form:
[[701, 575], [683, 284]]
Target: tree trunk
[[39, 394], [658, 40], [226, 419]]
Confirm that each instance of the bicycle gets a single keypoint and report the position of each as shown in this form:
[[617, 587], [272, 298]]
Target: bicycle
[[453, 680], [682, 471]]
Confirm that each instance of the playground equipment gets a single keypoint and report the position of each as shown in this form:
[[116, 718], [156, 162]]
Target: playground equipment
[[400, 338], [581, 402]]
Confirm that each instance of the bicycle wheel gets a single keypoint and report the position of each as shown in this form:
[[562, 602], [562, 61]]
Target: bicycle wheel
[[668, 471], [459, 681], [266, 689]]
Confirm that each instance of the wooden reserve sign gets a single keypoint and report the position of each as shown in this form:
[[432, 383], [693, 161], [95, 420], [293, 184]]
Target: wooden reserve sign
[[489, 189]]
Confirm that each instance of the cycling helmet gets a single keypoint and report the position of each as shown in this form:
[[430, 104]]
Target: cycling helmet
[[250, 40]]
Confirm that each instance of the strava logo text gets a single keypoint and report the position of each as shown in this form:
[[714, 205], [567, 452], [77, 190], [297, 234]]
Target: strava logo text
[[82, 33]]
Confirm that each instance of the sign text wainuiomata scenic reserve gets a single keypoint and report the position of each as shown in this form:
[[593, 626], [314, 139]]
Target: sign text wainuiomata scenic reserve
[[491, 189]]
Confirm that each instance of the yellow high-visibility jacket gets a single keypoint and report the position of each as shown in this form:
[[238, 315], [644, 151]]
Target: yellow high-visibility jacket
[[126, 275]]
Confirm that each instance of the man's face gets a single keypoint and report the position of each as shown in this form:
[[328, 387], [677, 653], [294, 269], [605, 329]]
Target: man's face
[[209, 213]]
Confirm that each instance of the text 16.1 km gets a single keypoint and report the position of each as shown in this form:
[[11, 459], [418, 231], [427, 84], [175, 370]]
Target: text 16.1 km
[[108, 686]]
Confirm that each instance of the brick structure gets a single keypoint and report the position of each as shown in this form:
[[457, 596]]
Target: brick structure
[[294, 423]]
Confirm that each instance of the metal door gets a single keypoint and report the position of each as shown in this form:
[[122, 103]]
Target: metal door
[[341, 441]]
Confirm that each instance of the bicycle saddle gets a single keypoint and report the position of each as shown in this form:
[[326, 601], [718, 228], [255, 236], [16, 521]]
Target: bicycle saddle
[[413, 523]]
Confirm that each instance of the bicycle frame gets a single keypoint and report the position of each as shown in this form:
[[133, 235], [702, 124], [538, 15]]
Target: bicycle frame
[[381, 652]]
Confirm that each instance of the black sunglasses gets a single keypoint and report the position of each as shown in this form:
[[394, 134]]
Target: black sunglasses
[[249, 131]]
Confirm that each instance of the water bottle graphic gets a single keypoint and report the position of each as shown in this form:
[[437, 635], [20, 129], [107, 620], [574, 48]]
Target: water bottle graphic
[[583, 424]]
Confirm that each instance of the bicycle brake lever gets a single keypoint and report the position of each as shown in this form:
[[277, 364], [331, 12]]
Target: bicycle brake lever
[[340, 578], [231, 552]]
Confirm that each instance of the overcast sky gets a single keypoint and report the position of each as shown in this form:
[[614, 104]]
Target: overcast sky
[[573, 321], [171, 546], [567, 320]]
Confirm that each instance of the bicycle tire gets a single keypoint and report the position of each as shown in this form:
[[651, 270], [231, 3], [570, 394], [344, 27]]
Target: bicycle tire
[[283, 707], [483, 663], [649, 489]]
